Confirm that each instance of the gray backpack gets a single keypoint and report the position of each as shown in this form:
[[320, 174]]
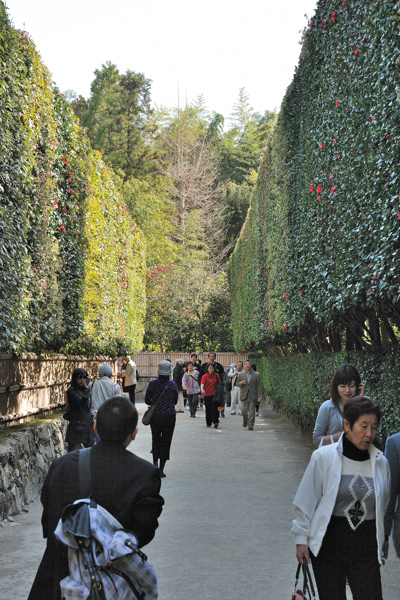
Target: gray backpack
[[104, 560]]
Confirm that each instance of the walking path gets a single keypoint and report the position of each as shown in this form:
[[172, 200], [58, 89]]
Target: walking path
[[225, 529]]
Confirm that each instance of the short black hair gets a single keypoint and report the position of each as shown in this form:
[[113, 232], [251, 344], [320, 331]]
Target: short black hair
[[193, 354], [116, 418], [358, 406]]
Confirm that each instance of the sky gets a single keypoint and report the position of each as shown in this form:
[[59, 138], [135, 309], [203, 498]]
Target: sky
[[187, 48]]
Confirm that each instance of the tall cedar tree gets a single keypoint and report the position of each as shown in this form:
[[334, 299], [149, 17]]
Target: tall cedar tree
[[118, 118]]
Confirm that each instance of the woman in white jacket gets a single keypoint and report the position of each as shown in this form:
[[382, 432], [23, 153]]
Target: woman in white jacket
[[340, 506]]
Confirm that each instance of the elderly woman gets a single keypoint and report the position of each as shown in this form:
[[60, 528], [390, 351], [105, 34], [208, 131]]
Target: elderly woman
[[103, 388], [163, 421], [340, 506], [190, 383], [345, 384], [80, 426]]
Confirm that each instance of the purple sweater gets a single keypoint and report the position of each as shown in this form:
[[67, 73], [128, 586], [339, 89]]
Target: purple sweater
[[167, 404]]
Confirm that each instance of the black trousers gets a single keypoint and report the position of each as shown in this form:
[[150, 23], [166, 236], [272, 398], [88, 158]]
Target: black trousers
[[131, 390], [212, 412], [352, 554], [162, 430]]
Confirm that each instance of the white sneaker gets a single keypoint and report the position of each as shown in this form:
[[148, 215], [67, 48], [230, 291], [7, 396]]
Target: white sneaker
[[233, 413]]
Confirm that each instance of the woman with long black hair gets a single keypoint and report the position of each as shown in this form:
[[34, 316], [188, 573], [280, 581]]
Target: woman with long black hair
[[78, 413]]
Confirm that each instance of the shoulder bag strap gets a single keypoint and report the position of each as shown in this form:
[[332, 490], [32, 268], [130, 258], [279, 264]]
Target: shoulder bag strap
[[162, 394], [85, 477]]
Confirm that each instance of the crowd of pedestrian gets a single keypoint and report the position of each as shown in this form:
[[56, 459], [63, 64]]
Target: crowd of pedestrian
[[347, 504]]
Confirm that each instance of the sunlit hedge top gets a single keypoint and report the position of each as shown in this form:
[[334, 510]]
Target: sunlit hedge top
[[329, 196], [52, 190]]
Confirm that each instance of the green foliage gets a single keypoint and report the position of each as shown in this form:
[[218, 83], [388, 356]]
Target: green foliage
[[327, 200], [186, 312], [300, 383], [49, 253], [151, 207], [118, 118]]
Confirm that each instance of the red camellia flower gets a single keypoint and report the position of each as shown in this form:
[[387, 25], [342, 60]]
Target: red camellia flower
[[334, 139], [63, 209], [321, 146], [398, 215], [69, 181], [285, 326], [344, 4], [301, 293], [323, 27], [338, 156], [337, 102], [62, 228], [71, 191], [319, 189], [372, 117], [69, 172], [355, 52], [333, 190], [319, 197], [333, 17]]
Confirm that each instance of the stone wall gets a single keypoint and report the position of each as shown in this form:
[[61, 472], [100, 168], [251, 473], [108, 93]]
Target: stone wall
[[25, 458]]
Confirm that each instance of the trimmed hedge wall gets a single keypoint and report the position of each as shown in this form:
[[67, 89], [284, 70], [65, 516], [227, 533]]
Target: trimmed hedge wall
[[300, 383], [72, 263], [324, 223]]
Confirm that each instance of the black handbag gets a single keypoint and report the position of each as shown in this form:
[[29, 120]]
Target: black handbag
[[148, 415], [307, 583]]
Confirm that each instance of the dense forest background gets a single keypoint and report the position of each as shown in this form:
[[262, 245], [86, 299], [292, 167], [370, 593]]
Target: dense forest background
[[187, 178]]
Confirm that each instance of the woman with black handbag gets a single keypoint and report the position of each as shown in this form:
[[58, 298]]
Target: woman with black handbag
[[165, 393], [213, 395], [340, 507], [78, 413]]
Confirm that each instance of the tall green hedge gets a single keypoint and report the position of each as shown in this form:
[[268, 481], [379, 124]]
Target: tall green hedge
[[326, 215], [300, 383], [53, 189]]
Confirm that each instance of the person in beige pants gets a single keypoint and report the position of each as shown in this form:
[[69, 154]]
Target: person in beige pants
[[250, 390]]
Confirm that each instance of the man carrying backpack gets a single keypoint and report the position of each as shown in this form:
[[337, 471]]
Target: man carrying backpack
[[125, 485]]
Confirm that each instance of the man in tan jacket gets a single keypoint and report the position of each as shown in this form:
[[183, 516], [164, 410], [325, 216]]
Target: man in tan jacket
[[250, 390]]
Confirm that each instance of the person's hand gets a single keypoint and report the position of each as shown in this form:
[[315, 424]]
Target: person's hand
[[385, 550], [243, 382], [361, 389], [302, 552]]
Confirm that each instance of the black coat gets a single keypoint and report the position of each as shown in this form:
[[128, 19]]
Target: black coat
[[122, 483], [217, 367], [177, 375], [80, 427]]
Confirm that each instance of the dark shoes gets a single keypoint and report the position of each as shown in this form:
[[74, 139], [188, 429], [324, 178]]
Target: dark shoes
[[250, 429], [162, 474], [244, 423], [215, 425]]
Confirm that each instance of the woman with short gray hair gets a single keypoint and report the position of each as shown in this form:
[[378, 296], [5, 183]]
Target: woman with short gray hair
[[103, 388]]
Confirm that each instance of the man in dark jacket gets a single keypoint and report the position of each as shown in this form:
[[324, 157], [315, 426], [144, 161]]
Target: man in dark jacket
[[211, 361], [122, 483]]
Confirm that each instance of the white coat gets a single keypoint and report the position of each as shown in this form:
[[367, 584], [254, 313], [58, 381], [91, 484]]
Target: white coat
[[316, 496]]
